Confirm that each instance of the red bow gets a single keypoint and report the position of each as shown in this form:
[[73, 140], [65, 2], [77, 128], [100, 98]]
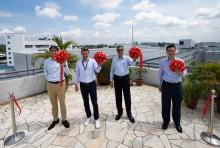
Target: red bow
[[177, 65], [100, 57], [135, 53], [61, 57]]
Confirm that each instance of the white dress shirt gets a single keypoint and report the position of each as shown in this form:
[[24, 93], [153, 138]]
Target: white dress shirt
[[120, 66], [85, 70], [52, 70], [166, 74]]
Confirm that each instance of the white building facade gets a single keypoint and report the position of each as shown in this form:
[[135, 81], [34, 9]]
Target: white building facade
[[186, 43], [17, 42]]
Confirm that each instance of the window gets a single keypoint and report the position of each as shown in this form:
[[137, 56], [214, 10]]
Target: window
[[9, 52], [9, 57], [28, 46], [10, 62], [8, 37], [181, 42], [9, 48], [8, 42]]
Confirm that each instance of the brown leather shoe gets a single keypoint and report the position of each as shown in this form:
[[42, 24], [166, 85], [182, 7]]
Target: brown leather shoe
[[66, 124], [53, 124]]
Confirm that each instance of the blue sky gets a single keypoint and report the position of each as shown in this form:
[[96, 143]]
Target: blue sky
[[110, 21]]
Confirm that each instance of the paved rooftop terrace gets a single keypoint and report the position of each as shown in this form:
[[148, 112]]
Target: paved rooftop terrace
[[145, 132]]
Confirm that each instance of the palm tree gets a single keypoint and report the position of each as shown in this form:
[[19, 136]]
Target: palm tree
[[62, 46]]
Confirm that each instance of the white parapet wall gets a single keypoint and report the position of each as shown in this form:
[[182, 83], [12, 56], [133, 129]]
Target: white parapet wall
[[24, 86], [151, 77]]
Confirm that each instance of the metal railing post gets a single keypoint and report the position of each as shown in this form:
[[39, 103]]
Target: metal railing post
[[209, 137], [17, 136]]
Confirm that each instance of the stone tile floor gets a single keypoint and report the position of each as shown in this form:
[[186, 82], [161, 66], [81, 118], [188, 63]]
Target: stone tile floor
[[145, 132]]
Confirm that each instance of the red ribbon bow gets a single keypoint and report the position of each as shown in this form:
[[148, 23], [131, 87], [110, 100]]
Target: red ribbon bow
[[61, 57], [135, 53], [100, 57], [177, 65]]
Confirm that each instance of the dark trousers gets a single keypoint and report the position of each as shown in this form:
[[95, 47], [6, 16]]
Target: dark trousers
[[171, 91], [86, 90], [121, 83]]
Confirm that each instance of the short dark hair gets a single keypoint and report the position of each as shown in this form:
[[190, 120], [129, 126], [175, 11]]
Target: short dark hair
[[170, 46], [119, 46], [53, 47], [85, 49]]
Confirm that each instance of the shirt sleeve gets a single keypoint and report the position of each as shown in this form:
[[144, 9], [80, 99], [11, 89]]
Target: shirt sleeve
[[96, 67], [112, 70], [45, 70], [77, 73], [131, 62], [160, 72]]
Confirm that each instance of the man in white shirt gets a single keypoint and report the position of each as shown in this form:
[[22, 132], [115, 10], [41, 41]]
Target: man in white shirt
[[55, 90], [85, 75], [119, 74]]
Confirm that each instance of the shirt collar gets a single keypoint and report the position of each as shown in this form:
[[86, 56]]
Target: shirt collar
[[122, 57], [168, 59]]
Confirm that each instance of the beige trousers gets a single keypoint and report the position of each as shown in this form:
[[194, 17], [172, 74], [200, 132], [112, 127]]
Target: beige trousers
[[56, 92]]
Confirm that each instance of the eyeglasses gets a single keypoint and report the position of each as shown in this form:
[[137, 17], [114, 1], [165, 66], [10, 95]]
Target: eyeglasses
[[120, 50], [52, 51]]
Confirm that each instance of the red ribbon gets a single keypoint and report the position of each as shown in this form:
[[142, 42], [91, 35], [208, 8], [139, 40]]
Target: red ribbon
[[15, 101], [134, 53], [206, 106], [100, 57], [61, 75], [61, 57]]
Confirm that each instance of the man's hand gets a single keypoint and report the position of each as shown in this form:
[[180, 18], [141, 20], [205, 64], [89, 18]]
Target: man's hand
[[76, 87], [179, 72], [111, 84]]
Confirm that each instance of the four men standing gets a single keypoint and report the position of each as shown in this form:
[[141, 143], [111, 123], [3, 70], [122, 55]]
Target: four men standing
[[170, 86]]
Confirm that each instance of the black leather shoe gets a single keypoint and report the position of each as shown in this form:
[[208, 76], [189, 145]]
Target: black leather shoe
[[53, 124], [118, 117], [66, 124], [164, 126], [131, 119], [179, 129]]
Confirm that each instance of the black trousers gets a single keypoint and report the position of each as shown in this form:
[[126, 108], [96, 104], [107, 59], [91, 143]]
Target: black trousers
[[171, 91], [86, 90], [121, 83]]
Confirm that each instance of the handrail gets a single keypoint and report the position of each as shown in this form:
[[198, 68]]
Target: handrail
[[21, 73]]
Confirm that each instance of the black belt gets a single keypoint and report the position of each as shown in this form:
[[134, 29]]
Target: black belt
[[83, 83], [54, 82], [171, 84]]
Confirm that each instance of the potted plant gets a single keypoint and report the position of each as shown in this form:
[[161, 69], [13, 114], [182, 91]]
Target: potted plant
[[199, 83], [191, 93], [130, 76], [139, 73], [103, 77]]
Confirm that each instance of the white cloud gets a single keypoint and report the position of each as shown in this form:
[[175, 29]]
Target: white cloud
[[70, 18], [105, 19], [144, 5], [106, 4], [208, 13], [129, 23], [73, 33], [50, 10], [17, 29], [5, 14]]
